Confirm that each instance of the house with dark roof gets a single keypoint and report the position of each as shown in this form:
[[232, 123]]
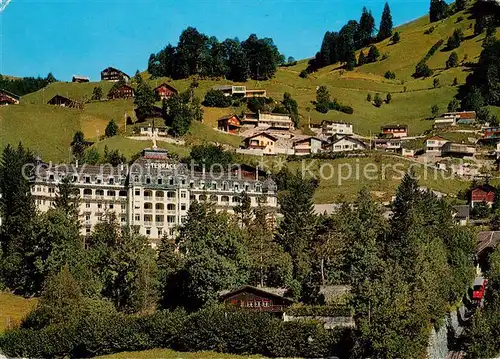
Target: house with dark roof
[[8, 98], [257, 299], [80, 79], [124, 91], [461, 214], [229, 123], [112, 74], [165, 91], [62, 101]]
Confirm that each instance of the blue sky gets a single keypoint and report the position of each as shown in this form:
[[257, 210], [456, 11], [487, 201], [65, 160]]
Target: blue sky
[[82, 37]]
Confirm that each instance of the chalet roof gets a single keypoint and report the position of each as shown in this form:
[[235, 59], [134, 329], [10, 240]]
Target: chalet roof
[[274, 138], [398, 126], [348, 138], [10, 94], [59, 97], [167, 86], [462, 114], [436, 138], [265, 292], [337, 122], [227, 117], [114, 69], [304, 138], [462, 211], [485, 188], [79, 77]]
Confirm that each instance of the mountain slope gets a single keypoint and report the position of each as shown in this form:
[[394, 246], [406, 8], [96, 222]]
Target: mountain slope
[[48, 130]]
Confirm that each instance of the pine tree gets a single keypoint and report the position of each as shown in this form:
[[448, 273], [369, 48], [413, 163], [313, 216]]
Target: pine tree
[[395, 38], [111, 129], [78, 145], [362, 58], [366, 27], [452, 60], [385, 29], [144, 100], [460, 5], [373, 54], [438, 10], [68, 198]]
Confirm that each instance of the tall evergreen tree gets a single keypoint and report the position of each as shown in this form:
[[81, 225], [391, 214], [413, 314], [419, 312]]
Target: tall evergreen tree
[[366, 27], [438, 10], [68, 198], [385, 28], [144, 100]]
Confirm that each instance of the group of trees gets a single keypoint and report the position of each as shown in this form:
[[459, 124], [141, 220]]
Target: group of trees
[[198, 54], [341, 46], [404, 272], [180, 109], [324, 103], [25, 85]]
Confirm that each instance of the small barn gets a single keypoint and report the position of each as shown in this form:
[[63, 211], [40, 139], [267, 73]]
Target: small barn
[[8, 98], [80, 79], [62, 101]]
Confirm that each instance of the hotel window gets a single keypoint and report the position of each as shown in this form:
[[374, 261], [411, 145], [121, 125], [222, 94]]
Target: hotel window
[[170, 219], [183, 181], [75, 178], [87, 179], [160, 181], [111, 193], [171, 194], [136, 179], [87, 205], [99, 205], [183, 207], [148, 180], [236, 186], [148, 231], [191, 184], [160, 231], [111, 180], [87, 217], [137, 192], [224, 186], [214, 185], [51, 177], [171, 181], [99, 181], [87, 230], [137, 217], [183, 194], [123, 219], [111, 206], [247, 187], [124, 207]]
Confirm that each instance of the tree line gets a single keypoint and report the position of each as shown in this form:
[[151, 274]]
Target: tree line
[[199, 54], [419, 259], [341, 46], [25, 85]]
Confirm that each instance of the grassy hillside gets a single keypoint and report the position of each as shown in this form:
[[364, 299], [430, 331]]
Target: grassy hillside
[[12, 309], [170, 354], [48, 130]]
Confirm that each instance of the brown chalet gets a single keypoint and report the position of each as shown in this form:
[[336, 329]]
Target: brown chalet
[[8, 98], [112, 74], [165, 91], [80, 79], [483, 194], [230, 123], [62, 101], [256, 299], [124, 91]]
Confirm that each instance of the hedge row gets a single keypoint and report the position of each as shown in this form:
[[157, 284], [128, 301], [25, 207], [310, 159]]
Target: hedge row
[[320, 310], [218, 329]]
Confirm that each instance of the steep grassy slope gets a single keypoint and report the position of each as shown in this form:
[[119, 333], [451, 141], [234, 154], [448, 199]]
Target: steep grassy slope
[[48, 130], [13, 309]]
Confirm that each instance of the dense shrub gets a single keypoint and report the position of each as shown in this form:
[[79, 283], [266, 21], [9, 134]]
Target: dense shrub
[[390, 75], [216, 98], [429, 31], [422, 70], [215, 328], [320, 310]]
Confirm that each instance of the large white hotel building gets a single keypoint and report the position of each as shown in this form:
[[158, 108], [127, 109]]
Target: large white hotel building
[[153, 193]]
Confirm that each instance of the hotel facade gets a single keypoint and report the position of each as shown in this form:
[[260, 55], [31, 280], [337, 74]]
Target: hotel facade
[[153, 194]]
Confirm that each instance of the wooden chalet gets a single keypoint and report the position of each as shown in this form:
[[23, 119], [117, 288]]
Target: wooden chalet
[[62, 101], [124, 91], [482, 194], [230, 124], [8, 98], [80, 79], [256, 299], [165, 91], [112, 74], [394, 130]]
